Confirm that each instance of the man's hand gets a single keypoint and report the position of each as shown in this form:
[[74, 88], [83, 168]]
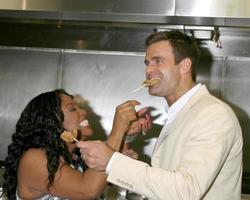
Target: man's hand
[[142, 124], [126, 150], [96, 154]]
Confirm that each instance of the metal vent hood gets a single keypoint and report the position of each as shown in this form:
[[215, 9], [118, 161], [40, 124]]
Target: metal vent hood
[[191, 12], [110, 24]]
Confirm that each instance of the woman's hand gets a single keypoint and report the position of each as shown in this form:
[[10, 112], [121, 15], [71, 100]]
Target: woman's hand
[[125, 115], [128, 120]]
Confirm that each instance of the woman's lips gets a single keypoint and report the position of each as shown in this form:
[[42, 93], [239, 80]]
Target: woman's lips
[[84, 123]]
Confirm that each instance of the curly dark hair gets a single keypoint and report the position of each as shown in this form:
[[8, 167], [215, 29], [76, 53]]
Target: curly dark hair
[[39, 126], [184, 46]]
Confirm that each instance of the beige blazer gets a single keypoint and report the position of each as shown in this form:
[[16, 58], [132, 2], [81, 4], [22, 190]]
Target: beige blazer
[[199, 158]]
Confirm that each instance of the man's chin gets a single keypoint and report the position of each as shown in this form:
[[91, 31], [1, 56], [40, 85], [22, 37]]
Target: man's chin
[[153, 92]]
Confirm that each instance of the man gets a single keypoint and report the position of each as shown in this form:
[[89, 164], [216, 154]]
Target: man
[[198, 154]]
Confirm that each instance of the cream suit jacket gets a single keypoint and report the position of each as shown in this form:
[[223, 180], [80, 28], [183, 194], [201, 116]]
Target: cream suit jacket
[[200, 158]]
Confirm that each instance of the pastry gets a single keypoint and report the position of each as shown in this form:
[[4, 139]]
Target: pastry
[[150, 82], [69, 136]]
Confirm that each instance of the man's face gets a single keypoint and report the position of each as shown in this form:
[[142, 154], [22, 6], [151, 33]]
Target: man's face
[[160, 63]]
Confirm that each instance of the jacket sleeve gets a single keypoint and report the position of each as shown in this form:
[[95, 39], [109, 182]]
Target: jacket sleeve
[[204, 155]]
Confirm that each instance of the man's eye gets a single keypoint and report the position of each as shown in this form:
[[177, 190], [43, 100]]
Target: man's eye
[[158, 61]]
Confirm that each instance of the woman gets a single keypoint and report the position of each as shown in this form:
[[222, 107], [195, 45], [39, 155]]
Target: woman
[[40, 165]]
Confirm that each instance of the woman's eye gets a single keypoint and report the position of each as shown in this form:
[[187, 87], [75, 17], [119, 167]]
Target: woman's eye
[[72, 109]]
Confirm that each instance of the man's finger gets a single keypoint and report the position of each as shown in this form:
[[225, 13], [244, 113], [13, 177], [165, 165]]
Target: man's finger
[[142, 112], [85, 145], [82, 144]]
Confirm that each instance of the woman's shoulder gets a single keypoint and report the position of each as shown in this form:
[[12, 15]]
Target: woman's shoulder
[[32, 173], [34, 156], [35, 160], [35, 151]]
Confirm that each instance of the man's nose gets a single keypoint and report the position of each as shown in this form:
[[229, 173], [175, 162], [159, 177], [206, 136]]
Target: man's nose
[[149, 67]]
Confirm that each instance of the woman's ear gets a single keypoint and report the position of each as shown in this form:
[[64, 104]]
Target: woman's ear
[[186, 65]]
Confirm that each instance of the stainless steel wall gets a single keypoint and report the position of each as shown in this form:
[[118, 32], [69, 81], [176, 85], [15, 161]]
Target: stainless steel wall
[[106, 65], [23, 74], [105, 79], [36, 38]]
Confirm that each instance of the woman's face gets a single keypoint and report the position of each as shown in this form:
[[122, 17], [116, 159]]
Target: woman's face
[[73, 116]]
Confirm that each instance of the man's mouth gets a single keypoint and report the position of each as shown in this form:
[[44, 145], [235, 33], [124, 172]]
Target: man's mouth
[[151, 82]]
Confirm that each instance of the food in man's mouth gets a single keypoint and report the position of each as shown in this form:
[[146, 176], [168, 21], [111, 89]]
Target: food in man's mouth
[[150, 82], [69, 136], [147, 83]]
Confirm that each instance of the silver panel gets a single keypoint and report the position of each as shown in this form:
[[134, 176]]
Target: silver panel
[[213, 8], [235, 90], [23, 74], [125, 37], [84, 10], [195, 12], [106, 80], [107, 6], [107, 37], [209, 72]]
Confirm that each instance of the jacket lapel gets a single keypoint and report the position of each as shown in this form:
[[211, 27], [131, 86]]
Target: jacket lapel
[[166, 130]]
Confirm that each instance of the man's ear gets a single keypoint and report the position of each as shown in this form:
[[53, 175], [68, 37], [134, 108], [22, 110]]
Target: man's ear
[[186, 65]]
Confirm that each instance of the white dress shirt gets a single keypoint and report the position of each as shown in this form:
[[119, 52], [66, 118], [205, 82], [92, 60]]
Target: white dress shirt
[[174, 109]]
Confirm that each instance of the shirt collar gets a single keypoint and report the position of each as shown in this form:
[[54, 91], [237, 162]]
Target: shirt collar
[[178, 105]]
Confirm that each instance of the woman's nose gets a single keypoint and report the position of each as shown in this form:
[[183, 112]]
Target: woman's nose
[[83, 112]]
